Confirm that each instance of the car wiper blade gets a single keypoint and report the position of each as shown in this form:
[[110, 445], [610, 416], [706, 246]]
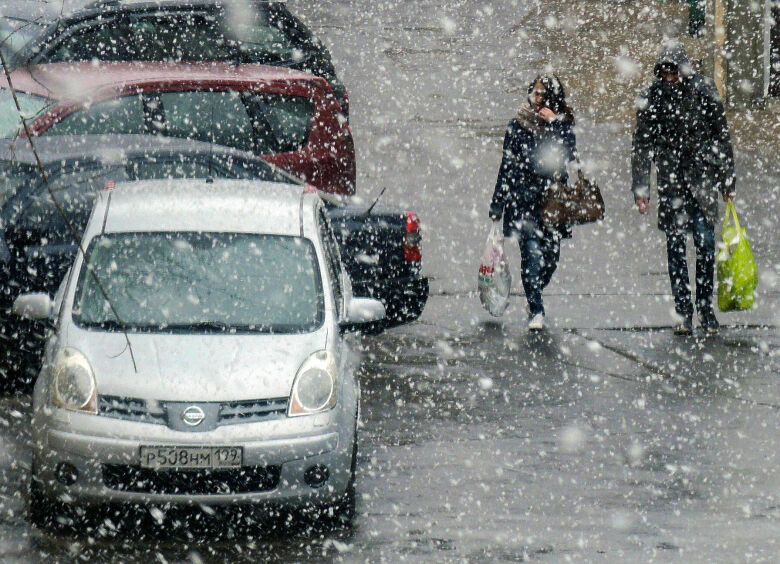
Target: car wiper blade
[[198, 326], [216, 326], [107, 324]]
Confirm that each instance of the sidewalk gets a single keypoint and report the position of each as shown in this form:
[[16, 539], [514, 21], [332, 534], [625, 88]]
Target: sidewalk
[[461, 312]]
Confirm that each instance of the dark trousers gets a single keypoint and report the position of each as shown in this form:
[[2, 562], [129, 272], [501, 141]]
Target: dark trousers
[[539, 253], [704, 241]]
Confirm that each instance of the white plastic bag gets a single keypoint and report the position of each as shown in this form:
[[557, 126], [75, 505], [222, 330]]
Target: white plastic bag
[[494, 281]]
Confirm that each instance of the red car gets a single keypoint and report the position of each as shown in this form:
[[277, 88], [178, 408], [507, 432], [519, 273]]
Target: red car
[[289, 118]]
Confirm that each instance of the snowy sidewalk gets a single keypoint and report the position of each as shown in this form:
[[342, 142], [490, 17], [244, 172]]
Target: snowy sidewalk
[[461, 311]]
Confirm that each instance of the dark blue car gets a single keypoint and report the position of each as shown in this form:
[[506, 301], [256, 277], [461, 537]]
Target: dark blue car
[[40, 224]]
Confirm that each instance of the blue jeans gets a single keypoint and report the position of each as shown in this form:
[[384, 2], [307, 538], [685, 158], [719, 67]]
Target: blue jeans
[[539, 251], [704, 241]]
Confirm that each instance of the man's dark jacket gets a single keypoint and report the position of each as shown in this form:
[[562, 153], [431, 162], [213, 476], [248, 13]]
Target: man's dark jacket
[[682, 129]]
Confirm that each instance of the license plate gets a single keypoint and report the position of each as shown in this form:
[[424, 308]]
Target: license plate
[[190, 457]]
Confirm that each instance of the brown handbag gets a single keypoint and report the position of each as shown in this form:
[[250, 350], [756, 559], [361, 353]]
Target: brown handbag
[[573, 205]]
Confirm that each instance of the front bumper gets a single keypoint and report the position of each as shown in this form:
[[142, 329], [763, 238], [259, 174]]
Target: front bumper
[[107, 464]]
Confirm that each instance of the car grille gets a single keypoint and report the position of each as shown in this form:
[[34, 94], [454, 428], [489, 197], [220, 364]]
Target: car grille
[[246, 411], [247, 479], [230, 413], [130, 409]]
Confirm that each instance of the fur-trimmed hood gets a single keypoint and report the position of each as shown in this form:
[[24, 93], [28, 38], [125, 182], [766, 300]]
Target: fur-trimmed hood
[[674, 53]]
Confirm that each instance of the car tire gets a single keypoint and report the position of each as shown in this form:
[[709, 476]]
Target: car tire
[[39, 511], [47, 513]]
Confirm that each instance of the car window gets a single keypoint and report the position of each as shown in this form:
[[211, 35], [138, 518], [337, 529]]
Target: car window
[[197, 282], [15, 34], [10, 121], [278, 124], [39, 220], [118, 115], [262, 38], [333, 258], [282, 123], [170, 167], [203, 165], [14, 175], [217, 117], [181, 37], [243, 32], [235, 167], [107, 41]]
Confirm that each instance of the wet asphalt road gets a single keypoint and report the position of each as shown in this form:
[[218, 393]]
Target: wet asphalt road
[[483, 442], [604, 439]]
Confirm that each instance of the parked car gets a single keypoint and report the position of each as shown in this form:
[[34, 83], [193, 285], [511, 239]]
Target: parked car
[[198, 355], [379, 247], [34, 32], [288, 117]]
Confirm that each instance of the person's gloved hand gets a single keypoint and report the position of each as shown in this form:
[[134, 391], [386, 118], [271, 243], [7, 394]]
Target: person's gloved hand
[[643, 204]]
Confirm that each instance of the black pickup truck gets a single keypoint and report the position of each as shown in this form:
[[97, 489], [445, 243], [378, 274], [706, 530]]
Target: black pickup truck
[[380, 247]]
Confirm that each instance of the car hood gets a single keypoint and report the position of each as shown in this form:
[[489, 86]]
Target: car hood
[[195, 367]]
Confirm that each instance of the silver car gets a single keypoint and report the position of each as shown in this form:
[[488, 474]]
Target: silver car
[[199, 356]]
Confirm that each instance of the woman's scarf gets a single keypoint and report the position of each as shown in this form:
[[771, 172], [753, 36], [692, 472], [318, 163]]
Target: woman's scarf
[[530, 120]]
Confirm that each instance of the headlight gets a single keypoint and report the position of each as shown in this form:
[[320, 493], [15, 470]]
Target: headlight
[[314, 389], [74, 382]]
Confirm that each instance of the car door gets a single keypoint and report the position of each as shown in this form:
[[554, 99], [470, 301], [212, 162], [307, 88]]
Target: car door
[[305, 136]]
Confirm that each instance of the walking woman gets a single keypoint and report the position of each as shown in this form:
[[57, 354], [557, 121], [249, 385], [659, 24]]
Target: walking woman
[[539, 142]]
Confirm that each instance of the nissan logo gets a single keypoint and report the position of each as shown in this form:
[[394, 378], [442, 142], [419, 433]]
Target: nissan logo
[[193, 416]]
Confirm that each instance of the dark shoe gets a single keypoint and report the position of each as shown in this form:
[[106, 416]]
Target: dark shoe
[[708, 321], [685, 327]]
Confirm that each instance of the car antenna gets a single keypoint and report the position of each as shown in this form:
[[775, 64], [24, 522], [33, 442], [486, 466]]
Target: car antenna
[[61, 211], [371, 207], [210, 177]]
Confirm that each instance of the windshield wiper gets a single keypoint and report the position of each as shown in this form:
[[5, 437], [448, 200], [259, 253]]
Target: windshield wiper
[[197, 327], [219, 326], [107, 324]]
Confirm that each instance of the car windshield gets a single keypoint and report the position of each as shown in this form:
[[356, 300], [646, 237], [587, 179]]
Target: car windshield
[[244, 33], [186, 282], [15, 34], [263, 123], [203, 165], [10, 121], [14, 174]]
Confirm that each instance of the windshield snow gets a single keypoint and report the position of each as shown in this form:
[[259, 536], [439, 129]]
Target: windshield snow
[[198, 282]]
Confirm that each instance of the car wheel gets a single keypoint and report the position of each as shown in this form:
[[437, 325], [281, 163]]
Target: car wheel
[[47, 513], [40, 513]]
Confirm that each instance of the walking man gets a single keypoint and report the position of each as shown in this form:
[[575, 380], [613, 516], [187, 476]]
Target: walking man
[[681, 128]]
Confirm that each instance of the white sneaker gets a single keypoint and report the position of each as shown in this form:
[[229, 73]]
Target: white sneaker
[[536, 323]]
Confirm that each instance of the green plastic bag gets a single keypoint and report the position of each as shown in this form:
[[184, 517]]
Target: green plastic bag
[[737, 272]]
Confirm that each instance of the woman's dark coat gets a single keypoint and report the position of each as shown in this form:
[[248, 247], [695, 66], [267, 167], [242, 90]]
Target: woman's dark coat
[[532, 157], [682, 129]]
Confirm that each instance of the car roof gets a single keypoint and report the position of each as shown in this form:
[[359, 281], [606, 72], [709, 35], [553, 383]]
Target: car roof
[[242, 206], [116, 148], [68, 81], [52, 10]]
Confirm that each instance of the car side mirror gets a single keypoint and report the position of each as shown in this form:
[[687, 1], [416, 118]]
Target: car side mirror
[[37, 307], [362, 312]]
